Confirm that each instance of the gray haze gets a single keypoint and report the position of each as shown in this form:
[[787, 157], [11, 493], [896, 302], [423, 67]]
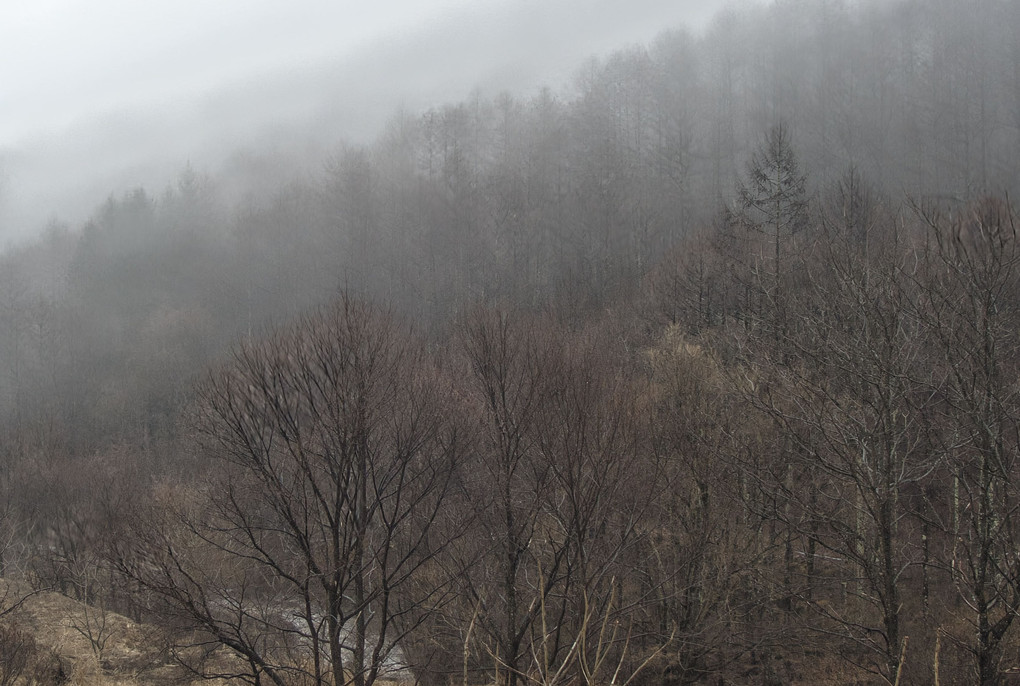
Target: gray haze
[[104, 97]]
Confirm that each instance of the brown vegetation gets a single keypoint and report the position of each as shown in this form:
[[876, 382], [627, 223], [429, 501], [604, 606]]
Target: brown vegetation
[[598, 402]]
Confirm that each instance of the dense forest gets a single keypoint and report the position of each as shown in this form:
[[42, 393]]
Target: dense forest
[[703, 370]]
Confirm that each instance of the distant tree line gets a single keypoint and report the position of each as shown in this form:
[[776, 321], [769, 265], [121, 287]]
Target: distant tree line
[[700, 369]]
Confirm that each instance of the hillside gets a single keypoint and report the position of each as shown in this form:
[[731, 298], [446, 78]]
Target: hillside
[[701, 370], [54, 638]]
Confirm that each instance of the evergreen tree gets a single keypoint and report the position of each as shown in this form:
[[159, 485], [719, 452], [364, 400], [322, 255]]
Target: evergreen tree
[[772, 209], [773, 197]]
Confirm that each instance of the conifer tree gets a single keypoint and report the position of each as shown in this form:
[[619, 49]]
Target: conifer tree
[[772, 205]]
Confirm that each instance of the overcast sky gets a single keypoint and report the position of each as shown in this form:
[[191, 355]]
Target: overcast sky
[[64, 59], [97, 96]]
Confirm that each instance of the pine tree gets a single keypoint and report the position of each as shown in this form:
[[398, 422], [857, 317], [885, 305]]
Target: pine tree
[[773, 206], [773, 198]]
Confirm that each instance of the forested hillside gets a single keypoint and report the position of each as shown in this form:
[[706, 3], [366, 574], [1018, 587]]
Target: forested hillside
[[702, 370]]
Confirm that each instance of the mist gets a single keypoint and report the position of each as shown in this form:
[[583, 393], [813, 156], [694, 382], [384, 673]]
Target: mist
[[508, 343], [287, 100]]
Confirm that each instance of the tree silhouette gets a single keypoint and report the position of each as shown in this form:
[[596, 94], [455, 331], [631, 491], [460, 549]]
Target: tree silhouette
[[773, 205]]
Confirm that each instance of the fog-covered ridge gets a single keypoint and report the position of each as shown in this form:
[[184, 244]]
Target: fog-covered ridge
[[293, 91], [696, 367]]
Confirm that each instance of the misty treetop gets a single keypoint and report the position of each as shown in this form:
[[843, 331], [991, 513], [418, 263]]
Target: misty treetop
[[699, 370]]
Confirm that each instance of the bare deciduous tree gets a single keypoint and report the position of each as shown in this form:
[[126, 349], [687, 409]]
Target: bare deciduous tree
[[308, 555], [846, 387], [972, 306], [552, 493]]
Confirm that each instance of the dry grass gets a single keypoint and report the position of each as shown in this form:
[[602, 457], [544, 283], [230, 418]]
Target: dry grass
[[132, 655]]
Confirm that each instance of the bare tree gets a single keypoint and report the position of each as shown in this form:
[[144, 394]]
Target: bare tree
[[604, 483], [552, 494], [704, 559], [971, 306], [846, 386], [306, 554], [510, 365]]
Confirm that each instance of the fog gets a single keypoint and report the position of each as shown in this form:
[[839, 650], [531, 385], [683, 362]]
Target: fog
[[108, 97], [535, 343]]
